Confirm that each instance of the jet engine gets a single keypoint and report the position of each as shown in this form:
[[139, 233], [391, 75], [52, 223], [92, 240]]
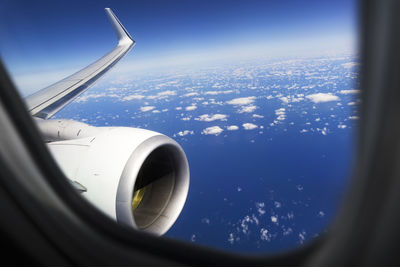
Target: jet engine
[[138, 177]]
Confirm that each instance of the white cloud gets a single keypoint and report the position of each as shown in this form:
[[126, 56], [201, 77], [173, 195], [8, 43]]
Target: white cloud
[[185, 132], [190, 94], [323, 131], [346, 92], [147, 108], [280, 111], [232, 128], [287, 231], [281, 115], [130, 97], [205, 220], [292, 98], [284, 99], [249, 126], [231, 238], [209, 118], [302, 237], [241, 101], [247, 109], [212, 101], [245, 223], [214, 130], [86, 97], [168, 92], [218, 92], [190, 108], [265, 236], [162, 95], [258, 116], [260, 208], [322, 97]]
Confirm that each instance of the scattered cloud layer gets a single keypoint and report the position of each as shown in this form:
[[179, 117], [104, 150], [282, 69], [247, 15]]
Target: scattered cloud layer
[[283, 101]]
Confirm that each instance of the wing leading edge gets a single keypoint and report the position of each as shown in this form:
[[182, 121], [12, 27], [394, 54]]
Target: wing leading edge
[[46, 102]]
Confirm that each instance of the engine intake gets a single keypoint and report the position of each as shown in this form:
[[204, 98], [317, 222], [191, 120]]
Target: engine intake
[[160, 187], [138, 177]]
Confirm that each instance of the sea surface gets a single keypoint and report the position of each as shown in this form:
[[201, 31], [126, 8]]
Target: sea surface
[[270, 143]]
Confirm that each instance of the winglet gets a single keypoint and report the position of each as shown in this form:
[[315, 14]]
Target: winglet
[[122, 34], [46, 102]]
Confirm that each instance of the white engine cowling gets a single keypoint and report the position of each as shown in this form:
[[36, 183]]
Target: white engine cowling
[[114, 163]]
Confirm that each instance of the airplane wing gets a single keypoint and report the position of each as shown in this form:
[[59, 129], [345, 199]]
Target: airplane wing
[[144, 184], [46, 102]]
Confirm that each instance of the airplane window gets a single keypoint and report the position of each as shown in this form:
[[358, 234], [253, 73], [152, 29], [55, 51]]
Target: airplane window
[[260, 97]]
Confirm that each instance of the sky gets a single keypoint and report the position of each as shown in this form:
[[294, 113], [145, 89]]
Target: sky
[[44, 41]]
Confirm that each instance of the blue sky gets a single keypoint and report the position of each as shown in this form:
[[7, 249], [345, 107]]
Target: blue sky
[[43, 41]]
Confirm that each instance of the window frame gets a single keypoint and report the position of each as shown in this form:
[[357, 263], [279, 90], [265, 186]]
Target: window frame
[[72, 231]]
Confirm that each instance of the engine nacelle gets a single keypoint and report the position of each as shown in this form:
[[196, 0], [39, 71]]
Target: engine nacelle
[[138, 177]]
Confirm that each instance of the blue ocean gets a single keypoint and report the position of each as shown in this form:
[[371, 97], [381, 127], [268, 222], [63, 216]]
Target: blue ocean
[[270, 143]]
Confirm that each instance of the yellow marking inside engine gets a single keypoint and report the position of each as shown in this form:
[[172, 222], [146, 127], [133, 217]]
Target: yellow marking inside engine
[[137, 197]]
